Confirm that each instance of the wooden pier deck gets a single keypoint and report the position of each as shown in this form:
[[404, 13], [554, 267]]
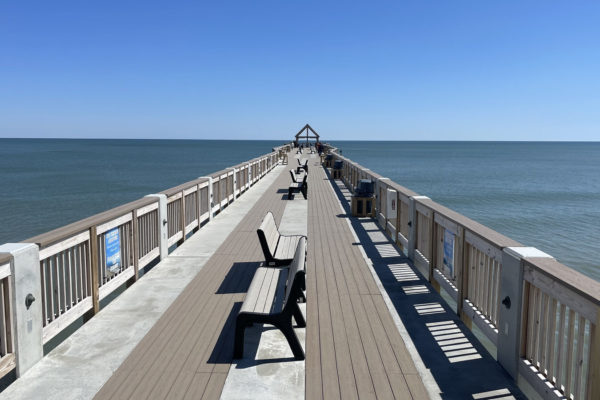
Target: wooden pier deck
[[353, 348]]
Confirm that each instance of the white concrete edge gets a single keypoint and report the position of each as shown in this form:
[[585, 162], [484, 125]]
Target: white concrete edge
[[428, 380]]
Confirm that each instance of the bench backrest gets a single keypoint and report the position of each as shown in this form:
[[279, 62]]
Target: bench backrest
[[297, 270], [293, 176], [268, 234]]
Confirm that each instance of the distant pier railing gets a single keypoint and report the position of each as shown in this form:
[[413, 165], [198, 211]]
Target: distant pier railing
[[541, 315], [73, 277]]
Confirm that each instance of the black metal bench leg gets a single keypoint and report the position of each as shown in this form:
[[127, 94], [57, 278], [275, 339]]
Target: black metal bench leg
[[288, 331], [304, 190], [300, 322], [240, 328], [289, 193]]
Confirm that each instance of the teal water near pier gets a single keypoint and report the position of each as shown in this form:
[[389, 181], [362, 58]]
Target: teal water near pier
[[542, 194]]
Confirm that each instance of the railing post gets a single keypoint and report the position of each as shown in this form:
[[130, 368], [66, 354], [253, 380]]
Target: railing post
[[462, 268], [398, 221], [163, 224], [93, 272], [235, 184], [593, 389], [432, 245], [511, 310], [210, 197], [412, 225], [26, 299], [182, 218], [135, 234]]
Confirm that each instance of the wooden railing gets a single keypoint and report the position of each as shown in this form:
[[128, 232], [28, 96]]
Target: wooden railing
[[558, 338], [72, 259]]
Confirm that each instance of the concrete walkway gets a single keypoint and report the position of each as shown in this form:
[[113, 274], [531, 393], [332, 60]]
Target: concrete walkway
[[79, 367]]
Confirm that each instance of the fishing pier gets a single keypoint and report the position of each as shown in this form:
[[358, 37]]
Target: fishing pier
[[412, 301]]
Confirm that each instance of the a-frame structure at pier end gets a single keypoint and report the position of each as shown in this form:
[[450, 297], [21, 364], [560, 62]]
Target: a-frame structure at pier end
[[307, 132]]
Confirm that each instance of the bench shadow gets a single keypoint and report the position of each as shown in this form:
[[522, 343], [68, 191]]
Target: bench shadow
[[282, 190], [222, 353], [238, 278], [251, 342]]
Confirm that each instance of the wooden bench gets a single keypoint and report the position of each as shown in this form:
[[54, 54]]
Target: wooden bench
[[298, 185], [272, 299], [278, 249]]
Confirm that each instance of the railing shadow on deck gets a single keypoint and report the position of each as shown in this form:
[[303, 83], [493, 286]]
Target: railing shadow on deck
[[459, 363]]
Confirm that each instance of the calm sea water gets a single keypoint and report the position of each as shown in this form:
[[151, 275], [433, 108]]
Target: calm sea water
[[545, 195], [48, 183]]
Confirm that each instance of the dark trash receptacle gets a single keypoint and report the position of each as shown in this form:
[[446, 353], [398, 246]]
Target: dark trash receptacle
[[338, 164], [365, 188]]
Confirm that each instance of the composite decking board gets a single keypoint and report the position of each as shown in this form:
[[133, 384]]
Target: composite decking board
[[350, 298], [342, 349], [361, 372], [194, 325], [350, 359], [402, 356], [181, 385], [197, 386]]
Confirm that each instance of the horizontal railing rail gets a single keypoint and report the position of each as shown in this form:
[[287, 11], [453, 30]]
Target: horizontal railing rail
[[77, 262], [549, 333]]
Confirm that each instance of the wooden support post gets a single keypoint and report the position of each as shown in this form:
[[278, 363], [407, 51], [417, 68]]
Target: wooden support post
[[462, 268], [93, 273], [198, 206], [432, 250], [135, 241], [398, 219], [182, 219], [593, 381]]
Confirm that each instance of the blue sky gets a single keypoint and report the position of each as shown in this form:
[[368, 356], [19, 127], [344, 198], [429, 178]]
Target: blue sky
[[422, 70]]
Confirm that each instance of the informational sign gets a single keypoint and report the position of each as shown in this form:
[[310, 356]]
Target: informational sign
[[392, 200], [112, 241], [449, 252]]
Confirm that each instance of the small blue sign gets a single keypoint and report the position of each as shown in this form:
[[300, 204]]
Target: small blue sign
[[449, 252], [113, 250]]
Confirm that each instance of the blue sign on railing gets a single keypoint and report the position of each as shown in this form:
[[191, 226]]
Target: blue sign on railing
[[112, 241], [449, 252]]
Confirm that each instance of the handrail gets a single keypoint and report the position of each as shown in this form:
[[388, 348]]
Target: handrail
[[59, 234]]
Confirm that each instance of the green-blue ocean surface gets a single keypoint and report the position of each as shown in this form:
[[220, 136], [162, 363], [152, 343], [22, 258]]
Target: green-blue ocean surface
[[542, 194]]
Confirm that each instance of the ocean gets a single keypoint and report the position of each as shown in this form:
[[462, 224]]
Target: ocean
[[542, 194]]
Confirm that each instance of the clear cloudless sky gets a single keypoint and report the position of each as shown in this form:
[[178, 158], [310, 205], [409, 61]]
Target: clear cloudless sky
[[370, 70]]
